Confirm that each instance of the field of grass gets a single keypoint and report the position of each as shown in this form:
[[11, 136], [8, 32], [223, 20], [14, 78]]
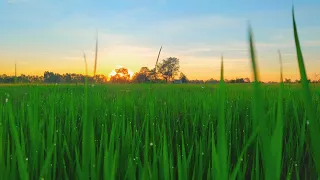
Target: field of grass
[[146, 132], [241, 131]]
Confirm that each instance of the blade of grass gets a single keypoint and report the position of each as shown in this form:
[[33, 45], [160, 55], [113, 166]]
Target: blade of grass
[[155, 68], [222, 140], [158, 59], [86, 129], [22, 165], [310, 108], [276, 141], [258, 110], [96, 57]]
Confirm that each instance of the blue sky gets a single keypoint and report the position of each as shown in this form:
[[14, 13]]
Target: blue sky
[[51, 35]]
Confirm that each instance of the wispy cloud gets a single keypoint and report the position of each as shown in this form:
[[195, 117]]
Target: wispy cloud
[[315, 43], [17, 1], [198, 23]]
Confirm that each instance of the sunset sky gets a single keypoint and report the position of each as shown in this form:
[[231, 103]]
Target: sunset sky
[[51, 35]]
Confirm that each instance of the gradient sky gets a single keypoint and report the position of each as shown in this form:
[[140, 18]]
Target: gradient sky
[[51, 35]]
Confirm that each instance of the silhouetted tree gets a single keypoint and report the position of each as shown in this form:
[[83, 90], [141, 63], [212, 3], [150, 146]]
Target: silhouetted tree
[[183, 78], [142, 76], [287, 80], [154, 75], [196, 81], [100, 78], [212, 81], [169, 68], [122, 76]]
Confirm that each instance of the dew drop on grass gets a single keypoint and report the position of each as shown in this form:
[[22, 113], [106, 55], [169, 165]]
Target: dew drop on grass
[[308, 122], [202, 153], [6, 100], [151, 144], [27, 159]]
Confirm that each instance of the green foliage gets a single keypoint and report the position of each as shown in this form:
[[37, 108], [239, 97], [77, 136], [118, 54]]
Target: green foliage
[[139, 132]]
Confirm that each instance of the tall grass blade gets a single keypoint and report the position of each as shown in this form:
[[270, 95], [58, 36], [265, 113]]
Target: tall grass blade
[[156, 65], [15, 72], [158, 59], [96, 57], [222, 140], [86, 129], [22, 165], [310, 108], [258, 111], [276, 141], [281, 67]]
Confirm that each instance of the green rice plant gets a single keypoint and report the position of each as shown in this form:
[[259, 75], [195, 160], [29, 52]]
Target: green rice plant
[[270, 140], [163, 134], [307, 98], [222, 139], [276, 138], [95, 56], [21, 158], [15, 72], [155, 68], [258, 113], [88, 151]]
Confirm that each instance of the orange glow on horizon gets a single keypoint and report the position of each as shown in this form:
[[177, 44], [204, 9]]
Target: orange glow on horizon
[[113, 72]]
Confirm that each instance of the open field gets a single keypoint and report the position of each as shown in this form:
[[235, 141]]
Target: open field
[[146, 131], [153, 131]]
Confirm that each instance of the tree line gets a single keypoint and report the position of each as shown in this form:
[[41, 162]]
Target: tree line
[[165, 72]]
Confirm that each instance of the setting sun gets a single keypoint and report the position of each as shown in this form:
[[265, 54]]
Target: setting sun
[[113, 72]]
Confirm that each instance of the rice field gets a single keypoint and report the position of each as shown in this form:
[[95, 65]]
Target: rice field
[[223, 131], [143, 132]]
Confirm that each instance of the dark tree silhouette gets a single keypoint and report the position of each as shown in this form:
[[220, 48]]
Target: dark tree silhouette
[[183, 78], [168, 68], [122, 76], [287, 80], [142, 76]]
